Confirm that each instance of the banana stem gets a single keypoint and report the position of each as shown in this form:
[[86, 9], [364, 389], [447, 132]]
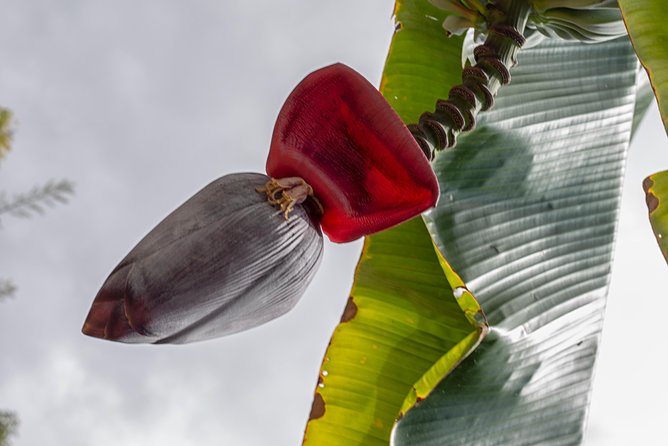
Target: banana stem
[[438, 130]]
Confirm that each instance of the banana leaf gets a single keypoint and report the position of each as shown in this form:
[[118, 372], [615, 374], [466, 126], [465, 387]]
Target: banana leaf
[[656, 195], [409, 319], [402, 331], [527, 219], [527, 213], [646, 23]]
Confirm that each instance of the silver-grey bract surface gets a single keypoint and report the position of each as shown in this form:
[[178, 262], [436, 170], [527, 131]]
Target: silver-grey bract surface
[[224, 261], [527, 217]]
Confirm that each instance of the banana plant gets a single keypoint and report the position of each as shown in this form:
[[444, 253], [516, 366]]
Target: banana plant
[[474, 317], [525, 227], [645, 22]]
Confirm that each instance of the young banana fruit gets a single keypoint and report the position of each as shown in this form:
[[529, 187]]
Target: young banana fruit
[[584, 20]]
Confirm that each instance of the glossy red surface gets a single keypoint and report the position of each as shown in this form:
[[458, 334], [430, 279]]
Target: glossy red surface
[[338, 133]]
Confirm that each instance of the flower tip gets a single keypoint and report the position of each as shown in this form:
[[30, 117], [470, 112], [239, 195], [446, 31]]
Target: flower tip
[[94, 324], [102, 322], [107, 318]]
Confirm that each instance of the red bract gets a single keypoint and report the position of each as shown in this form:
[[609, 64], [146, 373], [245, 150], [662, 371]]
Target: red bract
[[339, 134]]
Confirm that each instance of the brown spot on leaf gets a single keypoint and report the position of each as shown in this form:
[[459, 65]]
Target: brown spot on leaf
[[652, 202], [647, 183], [650, 198], [350, 311], [318, 407]]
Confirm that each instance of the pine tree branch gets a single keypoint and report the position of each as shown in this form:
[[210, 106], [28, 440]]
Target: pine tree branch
[[37, 199], [9, 424], [5, 131], [7, 289]]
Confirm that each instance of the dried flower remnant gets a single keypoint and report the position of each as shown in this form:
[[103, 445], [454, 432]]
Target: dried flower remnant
[[287, 192]]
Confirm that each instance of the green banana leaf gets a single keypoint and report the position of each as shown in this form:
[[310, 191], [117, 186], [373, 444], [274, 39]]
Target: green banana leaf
[[403, 329], [646, 23], [543, 263], [5, 131], [401, 332], [656, 194], [527, 218]]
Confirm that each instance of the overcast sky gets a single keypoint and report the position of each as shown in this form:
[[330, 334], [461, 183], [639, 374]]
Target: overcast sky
[[141, 103]]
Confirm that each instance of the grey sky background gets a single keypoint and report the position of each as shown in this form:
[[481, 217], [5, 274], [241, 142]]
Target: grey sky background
[[142, 103]]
